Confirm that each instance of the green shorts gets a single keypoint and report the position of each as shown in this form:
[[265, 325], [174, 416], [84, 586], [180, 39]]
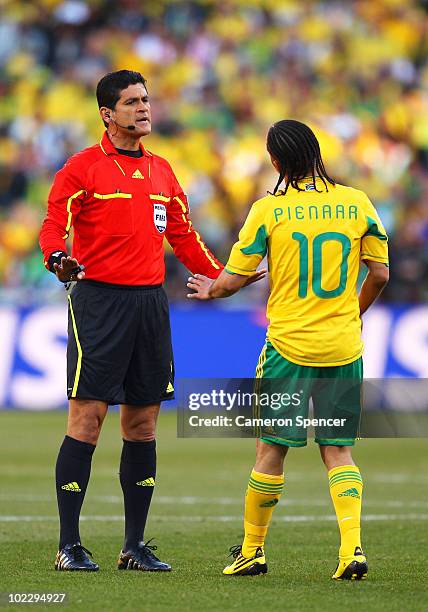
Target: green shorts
[[284, 390]]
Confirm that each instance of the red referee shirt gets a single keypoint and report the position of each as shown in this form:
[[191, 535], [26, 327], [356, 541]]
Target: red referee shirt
[[121, 208]]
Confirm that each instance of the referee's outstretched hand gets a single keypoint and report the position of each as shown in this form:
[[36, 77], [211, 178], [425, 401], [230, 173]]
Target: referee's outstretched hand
[[68, 270]]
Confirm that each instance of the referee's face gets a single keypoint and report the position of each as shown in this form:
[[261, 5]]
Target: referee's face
[[133, 108]]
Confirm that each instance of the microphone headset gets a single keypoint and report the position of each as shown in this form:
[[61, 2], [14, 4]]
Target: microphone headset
[[124, 127]]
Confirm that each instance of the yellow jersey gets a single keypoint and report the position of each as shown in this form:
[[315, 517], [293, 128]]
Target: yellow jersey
[[314, 241]]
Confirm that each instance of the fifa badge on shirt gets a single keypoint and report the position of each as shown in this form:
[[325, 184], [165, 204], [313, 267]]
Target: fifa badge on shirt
[[159, 217]]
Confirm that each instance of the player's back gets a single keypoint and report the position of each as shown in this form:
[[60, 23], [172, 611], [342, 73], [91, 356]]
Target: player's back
[[314, 241]]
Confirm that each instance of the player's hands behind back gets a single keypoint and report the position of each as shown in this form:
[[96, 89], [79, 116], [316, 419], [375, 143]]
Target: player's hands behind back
[[66, 270]]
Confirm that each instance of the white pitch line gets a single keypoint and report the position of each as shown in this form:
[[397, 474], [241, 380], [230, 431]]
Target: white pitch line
[[162, 499], [214, 519], [220, 501], [292, 476], [400, 478]]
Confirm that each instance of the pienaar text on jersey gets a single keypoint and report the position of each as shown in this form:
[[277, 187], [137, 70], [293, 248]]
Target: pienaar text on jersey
[[313, 213]]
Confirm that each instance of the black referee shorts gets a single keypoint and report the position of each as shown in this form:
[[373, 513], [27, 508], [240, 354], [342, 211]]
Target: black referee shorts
[[119, 344]]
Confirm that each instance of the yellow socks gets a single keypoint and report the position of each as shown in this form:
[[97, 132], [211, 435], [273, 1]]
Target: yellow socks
[[346, 488], [263, 493]]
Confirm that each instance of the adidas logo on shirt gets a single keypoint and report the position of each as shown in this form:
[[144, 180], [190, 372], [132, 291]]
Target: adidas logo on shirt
[[71, 486], [137, 174], [149, 482]]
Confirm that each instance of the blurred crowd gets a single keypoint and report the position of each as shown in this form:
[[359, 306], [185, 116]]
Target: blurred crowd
[[219, 74]]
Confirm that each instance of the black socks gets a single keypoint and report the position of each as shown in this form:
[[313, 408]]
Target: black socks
[[137, 478], [73, 468]]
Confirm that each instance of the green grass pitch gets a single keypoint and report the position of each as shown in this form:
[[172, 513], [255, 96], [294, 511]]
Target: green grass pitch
[[196, 516]]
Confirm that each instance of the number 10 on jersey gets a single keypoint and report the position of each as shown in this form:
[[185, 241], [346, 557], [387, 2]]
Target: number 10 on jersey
[[317, 263]]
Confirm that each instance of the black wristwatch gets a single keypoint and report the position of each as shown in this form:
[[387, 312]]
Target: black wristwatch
[[55, 258]]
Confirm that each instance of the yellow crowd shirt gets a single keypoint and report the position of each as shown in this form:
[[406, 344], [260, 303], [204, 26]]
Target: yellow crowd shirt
[[314, 241]]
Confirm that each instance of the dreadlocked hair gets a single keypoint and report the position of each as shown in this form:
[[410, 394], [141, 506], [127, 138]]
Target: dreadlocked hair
[[296, 149]]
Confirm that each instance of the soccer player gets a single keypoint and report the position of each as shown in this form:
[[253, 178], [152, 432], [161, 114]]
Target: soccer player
[[122, 200], [315, 232]]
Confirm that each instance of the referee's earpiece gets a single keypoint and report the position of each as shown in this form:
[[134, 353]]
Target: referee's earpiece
[[125, 127]]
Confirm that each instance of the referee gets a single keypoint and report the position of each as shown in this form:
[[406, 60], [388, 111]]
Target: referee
[[121, 200]]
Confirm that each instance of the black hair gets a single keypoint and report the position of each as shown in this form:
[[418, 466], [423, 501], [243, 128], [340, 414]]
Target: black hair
[[111, 85], [296, 149]]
